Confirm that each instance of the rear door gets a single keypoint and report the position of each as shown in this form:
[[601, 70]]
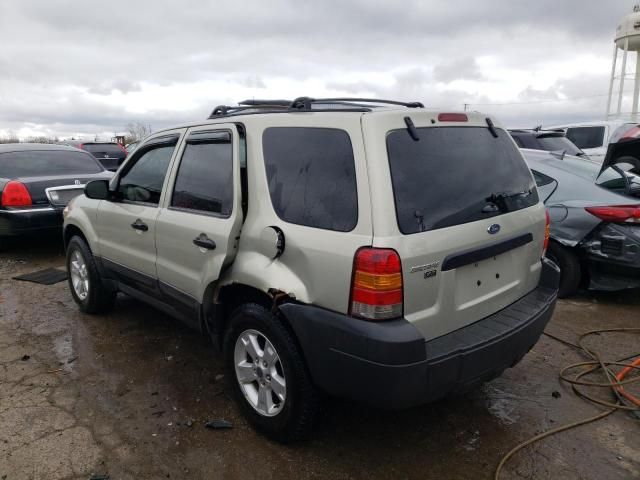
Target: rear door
[[126, 226], [466, 251], [199, 225]]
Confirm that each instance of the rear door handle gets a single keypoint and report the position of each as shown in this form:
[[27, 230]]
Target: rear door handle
[[139, 225], [203, 241]]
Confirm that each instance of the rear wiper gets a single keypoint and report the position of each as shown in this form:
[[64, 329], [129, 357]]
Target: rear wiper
[[500, 198], [492, 127]]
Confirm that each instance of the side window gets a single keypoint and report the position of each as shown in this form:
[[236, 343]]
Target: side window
[[518, 141], [586, 137], [204, 181], [541, 179], [311, 175], [143, 181]]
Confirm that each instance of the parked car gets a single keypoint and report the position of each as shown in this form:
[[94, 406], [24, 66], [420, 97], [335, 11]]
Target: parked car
[[331, 246], [109, 154], [37, 181], [593, 138], [549, 140], [595, 221]]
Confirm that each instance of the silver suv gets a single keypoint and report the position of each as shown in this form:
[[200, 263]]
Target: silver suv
[[367, 249]]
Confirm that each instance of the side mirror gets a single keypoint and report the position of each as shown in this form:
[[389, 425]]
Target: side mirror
[[97, 190]]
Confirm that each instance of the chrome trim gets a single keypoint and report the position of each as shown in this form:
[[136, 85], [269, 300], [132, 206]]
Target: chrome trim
[[43, 209]]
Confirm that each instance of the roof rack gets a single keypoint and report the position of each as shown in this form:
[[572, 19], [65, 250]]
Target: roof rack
[[305, 104]]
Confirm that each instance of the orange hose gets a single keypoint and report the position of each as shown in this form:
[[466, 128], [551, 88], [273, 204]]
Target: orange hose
[[621, 375]]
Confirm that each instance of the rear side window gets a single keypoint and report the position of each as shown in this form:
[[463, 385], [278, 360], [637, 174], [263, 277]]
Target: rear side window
[[311, 175], [586, 137], [101, 150], [447, 177], [39, 163], [205, 178]]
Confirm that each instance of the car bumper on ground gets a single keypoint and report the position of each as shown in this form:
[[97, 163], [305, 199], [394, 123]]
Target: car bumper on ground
[[389, 364], [26, 221]]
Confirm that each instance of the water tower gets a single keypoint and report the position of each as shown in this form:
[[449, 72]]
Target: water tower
[[627, 40]]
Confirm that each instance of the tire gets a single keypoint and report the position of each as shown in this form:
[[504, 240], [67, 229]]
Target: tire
[[570, 270], [93, 296], [287, 420]]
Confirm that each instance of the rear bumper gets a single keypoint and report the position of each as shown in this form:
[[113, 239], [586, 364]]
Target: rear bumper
[[389, 364], [23, 222]]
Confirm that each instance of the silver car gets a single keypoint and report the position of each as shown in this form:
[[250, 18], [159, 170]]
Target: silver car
[[595, 220]]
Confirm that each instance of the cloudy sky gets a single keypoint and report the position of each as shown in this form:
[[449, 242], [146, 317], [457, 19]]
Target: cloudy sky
[[70, 67]]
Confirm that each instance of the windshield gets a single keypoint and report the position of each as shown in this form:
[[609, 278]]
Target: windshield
[[447, 177], [556, 143], [40, 163]]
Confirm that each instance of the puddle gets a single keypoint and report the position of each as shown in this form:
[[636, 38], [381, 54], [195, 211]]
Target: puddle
[[501, 404]]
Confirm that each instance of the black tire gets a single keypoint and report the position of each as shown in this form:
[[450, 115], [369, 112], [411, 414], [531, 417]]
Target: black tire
[[295, 419], [570, 270], [99, 299]]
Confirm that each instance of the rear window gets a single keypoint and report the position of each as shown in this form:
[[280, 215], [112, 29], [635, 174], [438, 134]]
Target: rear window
[[101, 149], [40, 163], [558, 144], [447, 177], [586, 137], [311, 175]]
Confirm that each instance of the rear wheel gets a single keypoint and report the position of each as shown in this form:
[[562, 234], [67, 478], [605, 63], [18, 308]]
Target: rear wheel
[[570, 270], [268, 376], [85, 283]]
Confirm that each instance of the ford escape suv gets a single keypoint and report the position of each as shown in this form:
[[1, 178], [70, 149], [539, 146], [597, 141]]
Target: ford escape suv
[[367, 249]]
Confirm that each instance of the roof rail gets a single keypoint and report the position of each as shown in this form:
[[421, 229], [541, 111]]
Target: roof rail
[[303, 104]]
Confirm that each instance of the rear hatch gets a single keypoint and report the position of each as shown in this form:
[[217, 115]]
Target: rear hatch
[[110, 155], [457, 202]]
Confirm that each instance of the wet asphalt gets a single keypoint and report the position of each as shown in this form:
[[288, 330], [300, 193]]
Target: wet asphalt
[[127, 395]]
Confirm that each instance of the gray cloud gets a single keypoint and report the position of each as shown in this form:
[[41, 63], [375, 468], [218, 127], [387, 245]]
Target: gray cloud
[[68, 67]]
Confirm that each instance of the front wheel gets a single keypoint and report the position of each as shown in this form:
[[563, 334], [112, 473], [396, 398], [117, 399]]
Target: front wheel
[[85, 283], [268, 376]]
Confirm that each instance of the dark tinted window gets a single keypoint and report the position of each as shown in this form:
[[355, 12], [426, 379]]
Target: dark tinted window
[[558, 144], [518, 141], [205, 178], [102, 149], [541, 179], [586, 137], [41, 163], [143, 181], [311, 175], [446, 177]]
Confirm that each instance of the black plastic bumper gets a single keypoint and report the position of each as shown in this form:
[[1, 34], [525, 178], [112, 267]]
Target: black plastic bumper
[[389, 364], [26, 221]]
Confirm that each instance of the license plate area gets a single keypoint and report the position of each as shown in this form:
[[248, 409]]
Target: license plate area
[[480, 281]]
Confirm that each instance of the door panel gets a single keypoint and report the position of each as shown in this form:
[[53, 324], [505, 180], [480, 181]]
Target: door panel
[[198, 228], [126, 225]]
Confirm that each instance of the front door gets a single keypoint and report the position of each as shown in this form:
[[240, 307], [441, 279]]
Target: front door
[[198, 227], [126, 225]]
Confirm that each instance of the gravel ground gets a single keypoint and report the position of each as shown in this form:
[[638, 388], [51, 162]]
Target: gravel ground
[[127, 394]]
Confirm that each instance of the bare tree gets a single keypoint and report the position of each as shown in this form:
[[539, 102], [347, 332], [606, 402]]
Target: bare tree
[[42, 139], [9, 137], [136, 131]]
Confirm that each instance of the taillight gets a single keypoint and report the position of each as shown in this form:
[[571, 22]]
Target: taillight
[[376, 289], [547, 233], [81, 146], [453, 117], [617, 213], [632, 133], [15, 194], [123, 149]]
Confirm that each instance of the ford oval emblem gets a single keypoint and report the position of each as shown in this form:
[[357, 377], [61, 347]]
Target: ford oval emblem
[[493, 229]]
